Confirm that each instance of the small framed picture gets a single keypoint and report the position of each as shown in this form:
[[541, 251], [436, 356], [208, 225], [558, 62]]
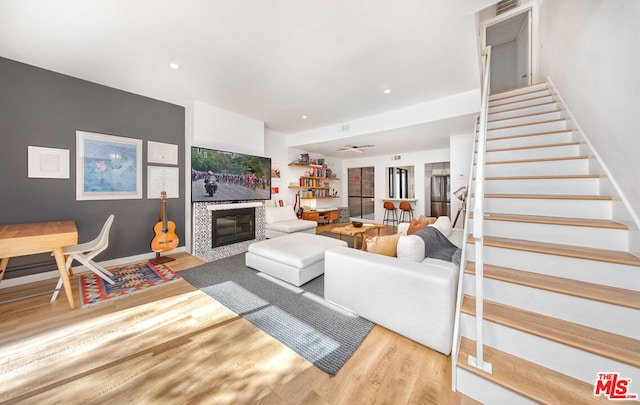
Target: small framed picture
[[48, 163], [280, 203]]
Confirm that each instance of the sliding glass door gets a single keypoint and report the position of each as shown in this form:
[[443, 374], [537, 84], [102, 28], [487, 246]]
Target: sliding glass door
[[361, 192]]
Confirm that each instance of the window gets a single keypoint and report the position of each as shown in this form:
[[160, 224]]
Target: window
[[361, 192]]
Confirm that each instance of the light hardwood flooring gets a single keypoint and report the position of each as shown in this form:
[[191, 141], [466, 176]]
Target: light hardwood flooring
[[176, 345]]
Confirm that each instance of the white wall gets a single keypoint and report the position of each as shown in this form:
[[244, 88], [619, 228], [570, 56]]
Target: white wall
[[590, 50], [503, 67], [215, 128], [461, 150]]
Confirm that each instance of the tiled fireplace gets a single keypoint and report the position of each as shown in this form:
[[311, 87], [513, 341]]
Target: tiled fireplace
[[203, 238]]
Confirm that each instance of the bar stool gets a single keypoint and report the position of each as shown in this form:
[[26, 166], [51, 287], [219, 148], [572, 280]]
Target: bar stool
[[405, 208], [390, 214]]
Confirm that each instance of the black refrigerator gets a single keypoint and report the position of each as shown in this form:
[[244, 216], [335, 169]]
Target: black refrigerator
[[440, 203]]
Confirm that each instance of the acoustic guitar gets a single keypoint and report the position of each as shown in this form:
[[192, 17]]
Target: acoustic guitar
[[165, 238]]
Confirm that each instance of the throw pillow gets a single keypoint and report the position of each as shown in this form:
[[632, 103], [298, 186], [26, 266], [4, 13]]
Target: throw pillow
[[383, 245], [430, 220], [410, 247], [443, 224], [416, 225]]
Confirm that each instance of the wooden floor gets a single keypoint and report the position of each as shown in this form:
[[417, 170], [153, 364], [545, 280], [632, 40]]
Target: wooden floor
[[175, 344]]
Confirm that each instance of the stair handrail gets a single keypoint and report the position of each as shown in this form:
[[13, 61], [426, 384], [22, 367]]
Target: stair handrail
[[463, 259], [478, 215]]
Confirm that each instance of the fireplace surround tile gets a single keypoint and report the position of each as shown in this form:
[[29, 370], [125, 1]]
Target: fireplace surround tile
[[202, 233]]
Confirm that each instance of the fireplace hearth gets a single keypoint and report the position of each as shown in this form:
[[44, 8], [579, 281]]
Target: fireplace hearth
[[232, 226]]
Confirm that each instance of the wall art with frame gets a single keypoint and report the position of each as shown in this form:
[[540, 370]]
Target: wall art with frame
[[108, 167]]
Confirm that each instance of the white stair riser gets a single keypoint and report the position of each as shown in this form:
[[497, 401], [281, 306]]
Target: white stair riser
[[533, 153], [599, 315], [518, 91], [590, 271], [602, 238], [570, 186], [516, 112], [540, 168], [487, 392], [506, 105], [595, 209], [527, 129], [501, 99], [553, 115], [573, 362], [518, 142]]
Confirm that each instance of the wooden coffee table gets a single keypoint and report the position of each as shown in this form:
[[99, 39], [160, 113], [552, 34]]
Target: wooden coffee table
[[355, 232]]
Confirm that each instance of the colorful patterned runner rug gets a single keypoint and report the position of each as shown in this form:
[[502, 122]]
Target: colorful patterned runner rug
[[128, 280]]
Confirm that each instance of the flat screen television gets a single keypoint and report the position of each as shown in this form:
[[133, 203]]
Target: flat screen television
[[229, 176]]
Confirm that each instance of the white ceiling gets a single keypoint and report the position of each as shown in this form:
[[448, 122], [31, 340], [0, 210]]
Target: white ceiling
[[273, 60]]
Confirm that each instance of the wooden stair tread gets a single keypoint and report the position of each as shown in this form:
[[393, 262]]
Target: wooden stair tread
[[503, 103], [552, 177], [498, 138], [525, 124], [525, 116], [525, 90], [575, 288], [540, 219], [549, 196], [528, 379], [522, 108], [610, 345], [578, 252], [549, 145], [535, 160]]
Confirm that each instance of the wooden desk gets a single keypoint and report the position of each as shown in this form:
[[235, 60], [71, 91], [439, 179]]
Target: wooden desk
[[321, 216], [39, 237], [355, 232]]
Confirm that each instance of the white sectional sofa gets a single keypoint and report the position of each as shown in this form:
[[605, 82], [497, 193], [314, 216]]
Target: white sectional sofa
[[283, 220], [416, 299]]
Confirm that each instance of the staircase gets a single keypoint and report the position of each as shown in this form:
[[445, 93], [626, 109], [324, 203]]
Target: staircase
[[561, 291]]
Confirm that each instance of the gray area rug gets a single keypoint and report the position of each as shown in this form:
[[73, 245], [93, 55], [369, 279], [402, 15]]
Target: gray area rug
[[299, 317]]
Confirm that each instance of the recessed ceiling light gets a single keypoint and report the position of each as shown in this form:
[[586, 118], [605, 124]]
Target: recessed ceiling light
[[304, 117], [174, 66], [387, 91]]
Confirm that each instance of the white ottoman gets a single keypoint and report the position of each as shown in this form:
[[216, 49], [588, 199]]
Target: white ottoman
[[295, 258]]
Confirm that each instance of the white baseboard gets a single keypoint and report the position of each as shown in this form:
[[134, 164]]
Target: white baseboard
[[12, 282]]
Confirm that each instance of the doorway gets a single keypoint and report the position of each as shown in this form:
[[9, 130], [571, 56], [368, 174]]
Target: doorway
[[512, 37]]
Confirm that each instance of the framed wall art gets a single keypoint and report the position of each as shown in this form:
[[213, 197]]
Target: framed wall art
[[48, 163], [164, 153], [108, 167]]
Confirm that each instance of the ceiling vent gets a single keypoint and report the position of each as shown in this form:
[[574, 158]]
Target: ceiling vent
[[506, 5], [396, 157]]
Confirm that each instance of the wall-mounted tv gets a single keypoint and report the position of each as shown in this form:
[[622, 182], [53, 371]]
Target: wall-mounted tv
[[229, 176]]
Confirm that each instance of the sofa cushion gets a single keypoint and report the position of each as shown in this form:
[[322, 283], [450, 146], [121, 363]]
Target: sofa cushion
[[383, 245], [292, 225], [276, 214], [410, 247], [415, 225]]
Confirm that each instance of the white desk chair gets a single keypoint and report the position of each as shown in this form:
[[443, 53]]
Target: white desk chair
[[85, 252]]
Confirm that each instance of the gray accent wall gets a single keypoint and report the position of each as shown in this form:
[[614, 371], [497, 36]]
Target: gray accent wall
[[43, 108]]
